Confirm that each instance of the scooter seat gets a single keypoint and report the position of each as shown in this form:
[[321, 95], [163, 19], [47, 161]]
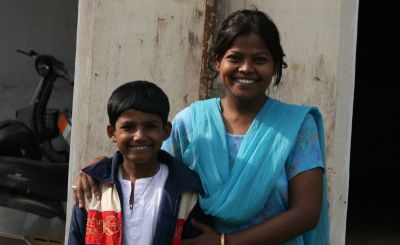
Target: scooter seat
[[42, 207], [35, 178], [18, 140]]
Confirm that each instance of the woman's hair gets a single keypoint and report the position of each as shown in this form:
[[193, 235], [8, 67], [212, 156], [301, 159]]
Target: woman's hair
[[245, 22], [138, 95]]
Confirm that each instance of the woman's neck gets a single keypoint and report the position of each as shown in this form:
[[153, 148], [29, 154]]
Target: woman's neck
[[238, 115], [244, 107]]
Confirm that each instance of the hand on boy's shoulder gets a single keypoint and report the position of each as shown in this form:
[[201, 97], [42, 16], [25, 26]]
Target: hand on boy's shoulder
[[86, 185]]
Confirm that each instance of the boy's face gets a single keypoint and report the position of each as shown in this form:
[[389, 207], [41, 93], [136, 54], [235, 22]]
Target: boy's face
[[139, 136]]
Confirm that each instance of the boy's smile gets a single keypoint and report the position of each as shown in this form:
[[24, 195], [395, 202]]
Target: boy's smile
[[139, 136]]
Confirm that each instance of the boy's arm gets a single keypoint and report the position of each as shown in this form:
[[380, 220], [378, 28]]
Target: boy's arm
[[77, 228]]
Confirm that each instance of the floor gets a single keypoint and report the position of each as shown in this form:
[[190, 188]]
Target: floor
[[374, 233], [369, 223]]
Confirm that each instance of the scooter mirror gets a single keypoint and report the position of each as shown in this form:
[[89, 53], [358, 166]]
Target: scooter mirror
[[43, 65]]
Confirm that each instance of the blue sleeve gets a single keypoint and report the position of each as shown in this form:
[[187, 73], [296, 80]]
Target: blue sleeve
[[77, 229], [181, 135], [306, 153]]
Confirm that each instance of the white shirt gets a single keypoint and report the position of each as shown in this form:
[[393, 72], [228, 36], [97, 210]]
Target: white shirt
[[139, 224]]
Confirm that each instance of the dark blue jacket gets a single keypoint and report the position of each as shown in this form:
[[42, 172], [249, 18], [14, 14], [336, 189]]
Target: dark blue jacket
[[179, 180]]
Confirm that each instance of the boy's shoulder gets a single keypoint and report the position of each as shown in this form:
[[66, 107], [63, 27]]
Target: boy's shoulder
[[185, 178], [105, 169]]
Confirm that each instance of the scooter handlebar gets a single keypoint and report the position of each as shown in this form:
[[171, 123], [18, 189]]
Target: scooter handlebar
[[31, 53], [47, 65]]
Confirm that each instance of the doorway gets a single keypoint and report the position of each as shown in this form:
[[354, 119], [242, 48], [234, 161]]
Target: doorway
[[373, 214]]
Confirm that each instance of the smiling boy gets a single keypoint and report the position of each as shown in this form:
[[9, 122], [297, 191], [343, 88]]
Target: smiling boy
[[147, 196]]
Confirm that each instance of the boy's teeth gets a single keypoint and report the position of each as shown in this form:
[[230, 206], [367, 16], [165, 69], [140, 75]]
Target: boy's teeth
[[141, 147], [245, 81]]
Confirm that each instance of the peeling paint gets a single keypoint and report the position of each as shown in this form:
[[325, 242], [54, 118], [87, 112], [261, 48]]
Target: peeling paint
[[210, 19], [295, 67], [161, 25], [199, 14], [193, 39], [185, 100]]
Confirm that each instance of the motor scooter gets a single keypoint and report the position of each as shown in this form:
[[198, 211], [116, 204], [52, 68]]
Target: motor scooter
[[34, 151]]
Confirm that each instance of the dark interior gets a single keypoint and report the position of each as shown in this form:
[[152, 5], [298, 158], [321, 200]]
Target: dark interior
[[373, 209]]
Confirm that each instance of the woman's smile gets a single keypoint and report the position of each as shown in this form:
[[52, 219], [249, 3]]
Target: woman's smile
[[247, 68]]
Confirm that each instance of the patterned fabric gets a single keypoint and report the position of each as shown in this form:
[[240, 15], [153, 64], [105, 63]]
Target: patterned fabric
[[305, 154], [104, 220]]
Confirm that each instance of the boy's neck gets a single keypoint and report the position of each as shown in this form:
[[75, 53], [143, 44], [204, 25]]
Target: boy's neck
[[132, 171]]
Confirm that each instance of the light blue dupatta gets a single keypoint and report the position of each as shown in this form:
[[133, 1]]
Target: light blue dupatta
[[236, 195]]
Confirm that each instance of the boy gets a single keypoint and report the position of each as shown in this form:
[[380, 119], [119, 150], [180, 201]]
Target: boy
[[147, 196]]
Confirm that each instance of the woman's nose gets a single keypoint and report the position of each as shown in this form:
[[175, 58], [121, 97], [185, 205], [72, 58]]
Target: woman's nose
[[246, 66]]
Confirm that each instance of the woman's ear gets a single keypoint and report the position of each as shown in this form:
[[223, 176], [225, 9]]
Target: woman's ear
[[110, 132], [217, 65], [167, 130]]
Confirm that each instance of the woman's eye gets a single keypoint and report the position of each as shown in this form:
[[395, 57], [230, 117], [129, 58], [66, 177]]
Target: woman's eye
[[233, 58], [260, 60]]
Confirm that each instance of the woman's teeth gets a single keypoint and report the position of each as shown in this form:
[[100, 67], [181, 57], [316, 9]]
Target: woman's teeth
[[245, 81]]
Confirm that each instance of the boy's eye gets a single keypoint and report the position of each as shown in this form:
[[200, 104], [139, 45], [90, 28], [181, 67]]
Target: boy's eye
[[128, 126], [152, 126]]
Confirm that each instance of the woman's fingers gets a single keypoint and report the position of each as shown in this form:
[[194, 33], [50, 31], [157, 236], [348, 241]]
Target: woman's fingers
[[207, 236], [201, 227], [85, 185], [91, 185], [79, 190]]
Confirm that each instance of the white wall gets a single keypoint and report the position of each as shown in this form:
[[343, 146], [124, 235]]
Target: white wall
[[46, 26]]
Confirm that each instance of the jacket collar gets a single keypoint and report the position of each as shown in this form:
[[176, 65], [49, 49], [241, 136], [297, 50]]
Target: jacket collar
[[184, 178]]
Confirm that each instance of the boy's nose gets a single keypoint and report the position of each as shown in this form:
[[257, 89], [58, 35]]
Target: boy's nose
[[139, 134]]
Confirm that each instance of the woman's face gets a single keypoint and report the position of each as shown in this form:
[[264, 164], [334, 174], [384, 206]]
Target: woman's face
[[247, 68]]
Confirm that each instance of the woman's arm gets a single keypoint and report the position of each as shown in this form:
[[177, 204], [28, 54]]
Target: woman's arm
[[303, 215], [86, 185]]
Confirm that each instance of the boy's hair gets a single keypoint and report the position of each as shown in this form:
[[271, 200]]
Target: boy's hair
[[245, 22], [138, 95]]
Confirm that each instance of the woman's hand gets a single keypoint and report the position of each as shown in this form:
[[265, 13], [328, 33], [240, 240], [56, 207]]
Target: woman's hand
[[208, 235], [85, 185]]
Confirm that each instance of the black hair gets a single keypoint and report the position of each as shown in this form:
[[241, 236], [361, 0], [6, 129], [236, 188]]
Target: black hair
[[245, 22], [138, 95]]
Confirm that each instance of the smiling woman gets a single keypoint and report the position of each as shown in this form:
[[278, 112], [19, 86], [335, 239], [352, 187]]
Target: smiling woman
[[248, 146], [247, 69]]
